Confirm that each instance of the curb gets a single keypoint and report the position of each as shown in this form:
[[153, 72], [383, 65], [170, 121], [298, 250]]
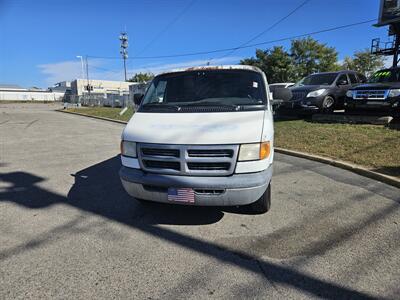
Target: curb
[[393, 181], [90, 116], [329, 161]]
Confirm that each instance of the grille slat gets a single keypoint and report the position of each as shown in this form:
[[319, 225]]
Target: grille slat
[[156, 164], [371, 94], [160, 152], [210, 153], [298, 95], [208, 166]]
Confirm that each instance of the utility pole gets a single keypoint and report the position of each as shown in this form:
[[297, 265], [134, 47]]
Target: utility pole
[[87, 77], [124, 49], [82, 75]]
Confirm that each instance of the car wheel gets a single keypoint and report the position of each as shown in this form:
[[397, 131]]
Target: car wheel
[[263, 204], [328, 104]]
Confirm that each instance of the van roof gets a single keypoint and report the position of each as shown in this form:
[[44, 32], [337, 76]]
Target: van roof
[[209, 68]]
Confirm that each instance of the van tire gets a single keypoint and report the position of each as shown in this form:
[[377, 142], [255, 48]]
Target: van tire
[[263, 204]]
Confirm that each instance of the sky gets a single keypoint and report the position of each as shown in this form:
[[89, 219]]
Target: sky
[[41, 39]]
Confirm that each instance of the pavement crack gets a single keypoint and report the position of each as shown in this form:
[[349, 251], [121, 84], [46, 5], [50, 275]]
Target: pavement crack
[[31, 123]]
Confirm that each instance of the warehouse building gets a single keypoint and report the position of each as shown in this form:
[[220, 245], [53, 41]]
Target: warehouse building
[[81, 86], [100, 92], [11, 92]]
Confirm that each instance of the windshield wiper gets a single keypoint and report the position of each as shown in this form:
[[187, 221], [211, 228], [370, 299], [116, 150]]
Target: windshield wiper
[[161, 105], [212, 104]]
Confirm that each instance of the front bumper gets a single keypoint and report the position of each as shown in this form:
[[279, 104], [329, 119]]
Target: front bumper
[[390, 105], [310, 104], [237, 189]]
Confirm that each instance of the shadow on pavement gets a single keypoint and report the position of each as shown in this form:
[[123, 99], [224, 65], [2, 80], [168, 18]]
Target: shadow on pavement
[[97, 189]]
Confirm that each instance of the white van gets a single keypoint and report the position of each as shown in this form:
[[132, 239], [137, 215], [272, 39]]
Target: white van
[[202, 136]]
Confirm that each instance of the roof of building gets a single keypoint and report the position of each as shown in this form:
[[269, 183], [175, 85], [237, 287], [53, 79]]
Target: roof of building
[[4, 86]]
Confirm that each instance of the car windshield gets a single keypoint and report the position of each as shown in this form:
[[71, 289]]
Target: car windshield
[[318, 79], [385, 76], [206, 88]]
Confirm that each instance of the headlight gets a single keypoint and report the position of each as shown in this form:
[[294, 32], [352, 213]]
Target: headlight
[[128, 148], [349, 94], [316, 93], [254, 151], [394, 93]]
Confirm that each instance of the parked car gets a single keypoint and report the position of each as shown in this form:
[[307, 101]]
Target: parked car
[[273, 87], [380, 94], [323, 92], [202, 136]]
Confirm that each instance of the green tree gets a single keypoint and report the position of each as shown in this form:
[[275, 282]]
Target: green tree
[[364, 62], [309, 56], [306, 56], [141, 77], [276, 63]]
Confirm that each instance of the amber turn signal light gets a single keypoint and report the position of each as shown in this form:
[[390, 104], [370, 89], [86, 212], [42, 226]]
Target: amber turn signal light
[[265, 150]]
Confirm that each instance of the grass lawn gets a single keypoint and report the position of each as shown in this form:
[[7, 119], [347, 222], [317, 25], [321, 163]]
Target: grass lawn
[[372, 146], [105, 112]]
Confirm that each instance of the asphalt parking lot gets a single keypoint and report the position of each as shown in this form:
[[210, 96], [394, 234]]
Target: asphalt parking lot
[[68, 230]]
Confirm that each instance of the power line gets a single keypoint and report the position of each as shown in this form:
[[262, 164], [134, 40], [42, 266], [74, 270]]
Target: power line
[[267, 29], [172, 22], [247, 46]]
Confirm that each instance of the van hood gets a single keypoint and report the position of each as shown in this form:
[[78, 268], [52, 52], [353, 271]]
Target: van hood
[[195, 128]]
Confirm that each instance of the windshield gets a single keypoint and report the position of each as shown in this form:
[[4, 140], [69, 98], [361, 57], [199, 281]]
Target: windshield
[[206, 88], [385, 76], [318, 79]]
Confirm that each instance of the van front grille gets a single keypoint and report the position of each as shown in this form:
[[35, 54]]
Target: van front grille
[[197, 160]]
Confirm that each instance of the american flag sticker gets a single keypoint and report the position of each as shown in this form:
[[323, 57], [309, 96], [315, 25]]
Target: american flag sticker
[[184, 195]]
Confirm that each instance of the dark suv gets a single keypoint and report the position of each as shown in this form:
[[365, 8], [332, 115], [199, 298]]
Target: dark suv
[[323, 92], [380, 94]]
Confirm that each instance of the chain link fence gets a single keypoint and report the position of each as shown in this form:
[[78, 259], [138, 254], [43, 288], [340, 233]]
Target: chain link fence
[[106, 100]]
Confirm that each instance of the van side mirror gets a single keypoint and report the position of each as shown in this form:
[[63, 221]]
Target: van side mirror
[[137, 99], [283, 94], [342, 82]]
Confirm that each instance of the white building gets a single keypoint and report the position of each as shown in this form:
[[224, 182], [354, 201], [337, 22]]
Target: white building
[[80, 87], [17, 93]]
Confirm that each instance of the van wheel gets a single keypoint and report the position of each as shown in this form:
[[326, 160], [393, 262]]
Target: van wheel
[[263, 204], [328, 105]]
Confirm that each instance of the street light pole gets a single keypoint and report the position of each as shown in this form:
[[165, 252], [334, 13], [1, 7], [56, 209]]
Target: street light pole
[[82, 70]]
